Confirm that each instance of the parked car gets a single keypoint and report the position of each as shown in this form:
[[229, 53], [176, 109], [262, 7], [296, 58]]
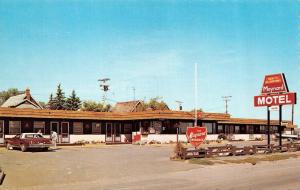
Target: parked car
[[26, 141]]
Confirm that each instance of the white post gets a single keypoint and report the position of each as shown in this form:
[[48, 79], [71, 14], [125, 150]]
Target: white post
[[196, 94]]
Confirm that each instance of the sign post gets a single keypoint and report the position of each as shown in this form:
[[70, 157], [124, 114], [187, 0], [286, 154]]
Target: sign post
[[268, 125], [275, 92]]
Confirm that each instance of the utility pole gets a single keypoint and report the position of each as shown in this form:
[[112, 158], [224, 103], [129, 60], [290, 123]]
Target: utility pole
[[226, 99], [105, 87], [179, 104]]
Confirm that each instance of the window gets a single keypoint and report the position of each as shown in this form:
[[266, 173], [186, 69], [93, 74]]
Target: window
[[96, 128], [14, 127], [39, 126], [183, 126], [237, 129], [209, 127], [220, 129], [77, 127], [262, 129]]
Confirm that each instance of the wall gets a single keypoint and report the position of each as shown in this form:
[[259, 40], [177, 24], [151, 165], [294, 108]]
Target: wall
[[75, 138]]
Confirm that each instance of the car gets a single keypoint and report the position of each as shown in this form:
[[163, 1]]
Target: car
[[26, 141]]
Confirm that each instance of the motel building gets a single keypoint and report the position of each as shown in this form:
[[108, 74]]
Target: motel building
[[21, 115]]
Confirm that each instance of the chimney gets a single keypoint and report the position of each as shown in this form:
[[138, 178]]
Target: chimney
[[27, 93]]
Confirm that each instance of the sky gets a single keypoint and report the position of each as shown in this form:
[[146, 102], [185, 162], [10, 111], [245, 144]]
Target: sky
[[152, 46]]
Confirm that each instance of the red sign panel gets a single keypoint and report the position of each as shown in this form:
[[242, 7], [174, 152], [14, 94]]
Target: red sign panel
[[196, 135], [275, 83], [136, 138], [275, 100]]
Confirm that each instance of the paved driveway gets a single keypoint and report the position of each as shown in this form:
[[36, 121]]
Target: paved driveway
[[137, 167]]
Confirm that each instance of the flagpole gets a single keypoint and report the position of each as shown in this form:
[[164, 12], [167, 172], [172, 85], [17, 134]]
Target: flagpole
[[196, 73]]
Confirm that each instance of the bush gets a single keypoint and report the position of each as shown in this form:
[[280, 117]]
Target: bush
[[178, 150], [222, 136]]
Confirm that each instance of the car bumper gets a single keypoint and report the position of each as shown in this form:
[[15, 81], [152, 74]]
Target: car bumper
[[39, 145]]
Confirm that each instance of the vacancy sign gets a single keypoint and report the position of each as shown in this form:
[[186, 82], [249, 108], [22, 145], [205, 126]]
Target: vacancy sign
[[274, 83], [196, 135], [275, 100]]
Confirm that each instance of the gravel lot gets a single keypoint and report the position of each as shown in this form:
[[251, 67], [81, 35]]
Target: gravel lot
[[137, 167]]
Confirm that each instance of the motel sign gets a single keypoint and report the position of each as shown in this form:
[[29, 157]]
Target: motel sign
[[275, 92], [275, 100]]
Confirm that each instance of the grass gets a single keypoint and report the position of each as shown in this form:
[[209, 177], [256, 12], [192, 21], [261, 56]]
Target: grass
[[251, 160], [201, 161]]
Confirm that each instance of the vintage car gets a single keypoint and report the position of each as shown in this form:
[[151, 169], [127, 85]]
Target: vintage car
[[26, 141]]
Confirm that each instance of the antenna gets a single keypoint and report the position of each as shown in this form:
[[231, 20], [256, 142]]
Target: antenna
[[226, 99], [179, 105], [105, 87]]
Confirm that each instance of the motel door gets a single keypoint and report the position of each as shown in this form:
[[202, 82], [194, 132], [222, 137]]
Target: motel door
[[113, 132], [65, 138], [54, 126], [1, 131]]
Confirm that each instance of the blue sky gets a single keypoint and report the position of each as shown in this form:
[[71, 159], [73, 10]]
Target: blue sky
[[152, 46]]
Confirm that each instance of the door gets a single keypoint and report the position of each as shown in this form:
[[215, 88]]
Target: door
[[54, 126], [1, 131], [109, 132], [65, 138], [113, 132], [117, 132]]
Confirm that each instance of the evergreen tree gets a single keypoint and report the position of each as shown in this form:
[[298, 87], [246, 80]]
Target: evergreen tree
[[51, 103], [73, 102], [60, 100]]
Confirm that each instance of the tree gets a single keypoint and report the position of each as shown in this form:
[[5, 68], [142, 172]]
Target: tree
[[4, 95], [94, 106], [73, 102], [59, 102], [155, 104], [51, 103]]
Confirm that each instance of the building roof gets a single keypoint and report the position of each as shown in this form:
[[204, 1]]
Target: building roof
[[248, 121], [125, 116], [129, 106], [19, 100], [24, 100]]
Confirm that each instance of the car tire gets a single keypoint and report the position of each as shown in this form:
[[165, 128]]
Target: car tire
[[8, 146], [45, 149], [23, 147]]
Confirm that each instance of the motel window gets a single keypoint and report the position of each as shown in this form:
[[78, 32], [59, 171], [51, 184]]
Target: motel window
[[209, 127], [183, 126], [96, 128], [14, 127], [39, 126], [250, 129], [77, 127], [275, 129], [220, 129], [262, 129], [237, 129]]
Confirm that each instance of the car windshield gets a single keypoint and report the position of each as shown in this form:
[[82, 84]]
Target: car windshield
[[33, 136]]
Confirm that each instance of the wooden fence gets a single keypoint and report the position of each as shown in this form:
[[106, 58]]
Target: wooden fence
[[230, 150]]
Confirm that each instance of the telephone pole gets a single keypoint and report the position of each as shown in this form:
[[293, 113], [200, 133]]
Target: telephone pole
[[105, 87], [226, 99]]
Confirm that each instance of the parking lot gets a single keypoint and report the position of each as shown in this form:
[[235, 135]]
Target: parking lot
[[137, 167]]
